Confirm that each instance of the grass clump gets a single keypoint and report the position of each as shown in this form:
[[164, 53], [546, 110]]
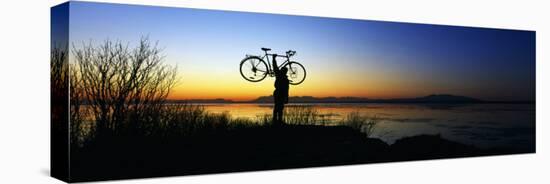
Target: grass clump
[[301, 115], [363, 123]]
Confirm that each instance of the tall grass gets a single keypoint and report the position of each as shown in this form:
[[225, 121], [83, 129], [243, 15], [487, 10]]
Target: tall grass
[[264, 119], [185, 120], [363, 123], [188, 119], [301, 115], [176, 120]]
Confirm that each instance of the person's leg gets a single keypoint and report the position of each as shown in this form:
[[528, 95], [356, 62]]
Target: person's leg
[[274, 118], [278, 114], [275, 110], [281, 114]]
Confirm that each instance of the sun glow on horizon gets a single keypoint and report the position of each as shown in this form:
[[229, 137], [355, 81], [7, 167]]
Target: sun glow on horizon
[[342, 57]]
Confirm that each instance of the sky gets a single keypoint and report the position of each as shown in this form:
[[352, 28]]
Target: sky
[[343, 57]]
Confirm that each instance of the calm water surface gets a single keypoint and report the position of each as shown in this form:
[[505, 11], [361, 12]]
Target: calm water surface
[[483, 125]]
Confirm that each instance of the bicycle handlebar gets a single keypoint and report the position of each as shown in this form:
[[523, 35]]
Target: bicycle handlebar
[[289, 54], [278, 55]]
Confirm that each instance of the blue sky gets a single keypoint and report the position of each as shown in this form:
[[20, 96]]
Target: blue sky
[[343, 57]]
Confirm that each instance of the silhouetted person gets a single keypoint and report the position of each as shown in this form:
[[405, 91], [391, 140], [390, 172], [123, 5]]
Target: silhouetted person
[[280, 94]]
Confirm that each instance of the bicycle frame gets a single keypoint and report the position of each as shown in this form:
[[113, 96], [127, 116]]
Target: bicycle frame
[[295, 69], [266, 56]]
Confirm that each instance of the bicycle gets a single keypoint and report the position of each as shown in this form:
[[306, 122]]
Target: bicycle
[[254, 68]]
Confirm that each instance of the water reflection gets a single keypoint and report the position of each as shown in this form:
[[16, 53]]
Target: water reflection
[[483, 125]]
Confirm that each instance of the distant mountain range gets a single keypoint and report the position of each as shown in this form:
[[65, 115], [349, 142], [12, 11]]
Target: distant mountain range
[[435, 98], [438, 98], [217, 100]]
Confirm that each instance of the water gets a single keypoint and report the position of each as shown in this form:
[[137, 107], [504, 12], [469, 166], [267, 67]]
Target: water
[[482, 125]]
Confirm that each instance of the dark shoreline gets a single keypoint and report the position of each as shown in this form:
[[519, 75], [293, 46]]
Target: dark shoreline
[[255, 148]]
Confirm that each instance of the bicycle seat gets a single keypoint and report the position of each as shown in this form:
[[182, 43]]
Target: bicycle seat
[[266, 49]]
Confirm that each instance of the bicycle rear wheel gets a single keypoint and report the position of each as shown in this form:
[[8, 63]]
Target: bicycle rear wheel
[[296, 72], [253, 69]]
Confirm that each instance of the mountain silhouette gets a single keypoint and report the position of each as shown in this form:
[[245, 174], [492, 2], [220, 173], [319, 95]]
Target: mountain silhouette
[[311, 99], [434, 98], [216, 100], [439, 98]]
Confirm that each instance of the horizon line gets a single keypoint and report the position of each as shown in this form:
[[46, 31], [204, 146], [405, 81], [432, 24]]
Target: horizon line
[[229, 100]]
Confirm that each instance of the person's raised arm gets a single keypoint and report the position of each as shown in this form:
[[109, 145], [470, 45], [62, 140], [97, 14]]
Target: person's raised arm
[[275, 66]]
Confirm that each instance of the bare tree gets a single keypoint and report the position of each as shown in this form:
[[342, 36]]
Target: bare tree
[[123, 87], [59, 79], [59, 95], [77, 113]]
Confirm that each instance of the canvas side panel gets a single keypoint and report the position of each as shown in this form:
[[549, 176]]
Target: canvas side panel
[[59, 94]]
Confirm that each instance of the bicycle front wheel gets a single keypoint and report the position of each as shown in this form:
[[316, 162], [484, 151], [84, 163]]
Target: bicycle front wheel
[[296, 72], [253, 69]]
